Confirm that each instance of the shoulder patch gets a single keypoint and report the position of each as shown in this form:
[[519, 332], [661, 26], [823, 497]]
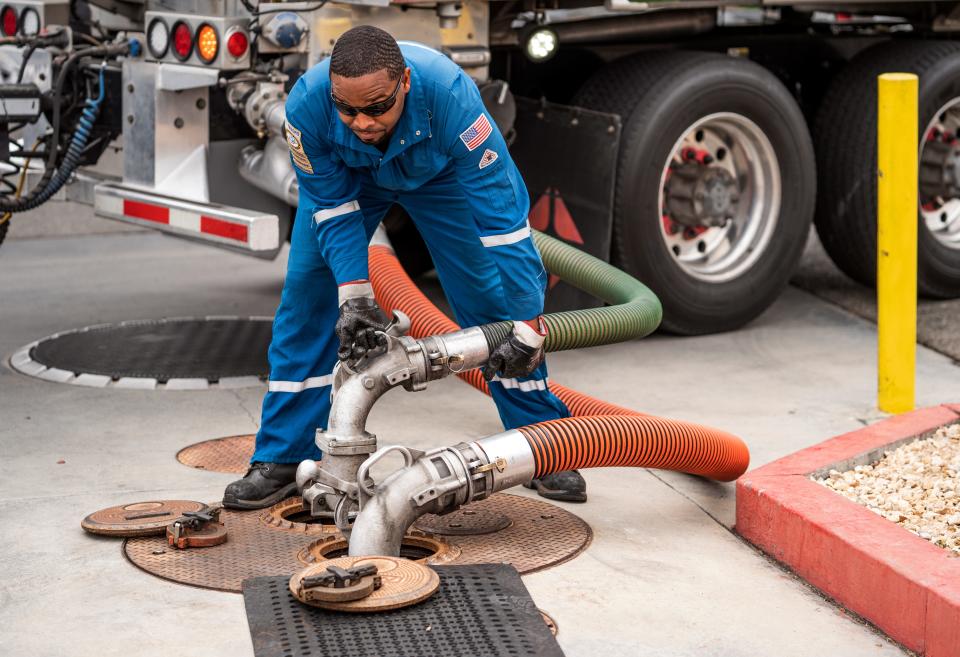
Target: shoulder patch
[[488, 158], [477, 133], [296, 148]]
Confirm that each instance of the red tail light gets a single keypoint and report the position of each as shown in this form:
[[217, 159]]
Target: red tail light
[[237, 44], [182, 41], [8, 20]]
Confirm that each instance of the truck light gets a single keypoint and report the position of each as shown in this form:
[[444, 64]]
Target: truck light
[[158, 38], [208, 43], [8, 20], [541, 44], [29, 22], [237, 42], [182, 41]]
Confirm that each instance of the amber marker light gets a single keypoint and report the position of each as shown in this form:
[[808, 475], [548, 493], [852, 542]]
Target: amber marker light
[[208, 43]]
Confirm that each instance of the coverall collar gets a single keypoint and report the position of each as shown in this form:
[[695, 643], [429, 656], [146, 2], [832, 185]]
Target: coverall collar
[[413, 126]]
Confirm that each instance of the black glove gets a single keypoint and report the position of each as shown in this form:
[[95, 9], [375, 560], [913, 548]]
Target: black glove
[[520, 353], [360, 319]]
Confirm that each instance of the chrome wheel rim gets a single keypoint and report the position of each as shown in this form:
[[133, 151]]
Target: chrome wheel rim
[[940, 167], [734, 148]]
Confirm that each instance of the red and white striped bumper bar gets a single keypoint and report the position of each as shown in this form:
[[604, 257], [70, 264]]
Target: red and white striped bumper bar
[[218, 224]]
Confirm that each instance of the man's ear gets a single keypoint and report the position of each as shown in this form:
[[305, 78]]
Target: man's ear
[[406, 80]]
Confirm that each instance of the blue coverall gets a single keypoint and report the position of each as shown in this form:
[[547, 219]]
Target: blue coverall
[[447, 164]]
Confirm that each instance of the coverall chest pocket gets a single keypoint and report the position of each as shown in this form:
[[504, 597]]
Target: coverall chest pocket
[[422, 162], [355, 159]]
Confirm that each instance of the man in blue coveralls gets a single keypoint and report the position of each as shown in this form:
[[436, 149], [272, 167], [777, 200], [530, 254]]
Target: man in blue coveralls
[[376, 124]]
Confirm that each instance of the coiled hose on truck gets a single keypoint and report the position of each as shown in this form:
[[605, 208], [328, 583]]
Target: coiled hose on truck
[[594, 436]]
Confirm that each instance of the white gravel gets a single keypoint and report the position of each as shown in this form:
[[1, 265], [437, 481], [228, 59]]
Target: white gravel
[[916, 485]]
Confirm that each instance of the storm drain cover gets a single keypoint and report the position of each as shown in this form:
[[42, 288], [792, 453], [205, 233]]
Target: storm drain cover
[[172, 354], [231, 454], [540, 535], [480, 609]]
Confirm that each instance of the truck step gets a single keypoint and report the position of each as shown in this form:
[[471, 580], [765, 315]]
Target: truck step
[[219, 225]]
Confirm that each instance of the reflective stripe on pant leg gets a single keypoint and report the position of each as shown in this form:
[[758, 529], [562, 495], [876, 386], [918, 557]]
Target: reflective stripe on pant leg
[[526, 400], [303, 351]]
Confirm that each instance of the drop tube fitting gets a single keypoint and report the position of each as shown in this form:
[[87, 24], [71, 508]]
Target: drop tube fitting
[[516, 456]]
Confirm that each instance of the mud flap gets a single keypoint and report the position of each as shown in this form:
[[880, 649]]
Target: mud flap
[[568, 158]]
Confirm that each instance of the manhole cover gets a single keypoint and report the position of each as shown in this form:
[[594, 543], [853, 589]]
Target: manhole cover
[[231, 454], [551, 624], [416, 546], [403, 583], [540, 535], [475, 519], [173, 354], [289, 514], [252, 549], [139, 518]]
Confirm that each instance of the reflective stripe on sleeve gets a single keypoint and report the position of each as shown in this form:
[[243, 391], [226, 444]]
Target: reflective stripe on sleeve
[[346, 208], [522, 386], [509, 238], [300, 386]]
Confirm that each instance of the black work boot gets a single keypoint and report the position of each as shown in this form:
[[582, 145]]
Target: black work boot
[[264, 484], [567, 486]]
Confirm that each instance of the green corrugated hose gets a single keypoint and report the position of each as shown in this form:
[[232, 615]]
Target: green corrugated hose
[[634, 310]]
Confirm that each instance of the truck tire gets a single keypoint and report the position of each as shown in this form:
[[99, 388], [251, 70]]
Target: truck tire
[[715, 183], [845, 137]]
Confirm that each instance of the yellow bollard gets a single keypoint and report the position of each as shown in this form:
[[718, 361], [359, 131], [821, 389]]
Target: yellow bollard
[[897, 153]]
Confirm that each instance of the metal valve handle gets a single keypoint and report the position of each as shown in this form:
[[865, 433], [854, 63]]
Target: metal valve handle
[[409, 456]]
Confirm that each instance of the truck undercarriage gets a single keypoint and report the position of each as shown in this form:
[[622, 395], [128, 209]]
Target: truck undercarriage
[[691, 143]]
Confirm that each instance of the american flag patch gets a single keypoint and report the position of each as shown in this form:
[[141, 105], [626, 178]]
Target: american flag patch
[[477, 133]]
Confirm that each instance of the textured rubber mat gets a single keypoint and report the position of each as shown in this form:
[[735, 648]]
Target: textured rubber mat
[[482, 610], [210, 349]]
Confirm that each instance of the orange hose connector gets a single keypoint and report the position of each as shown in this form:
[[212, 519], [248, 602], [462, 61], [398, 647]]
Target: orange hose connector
[[599, 433]]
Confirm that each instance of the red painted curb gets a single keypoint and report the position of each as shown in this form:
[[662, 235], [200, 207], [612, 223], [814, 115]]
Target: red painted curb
[[905, 585]]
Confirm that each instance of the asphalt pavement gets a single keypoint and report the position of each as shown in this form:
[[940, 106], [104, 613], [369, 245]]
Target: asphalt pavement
[[664, 575]]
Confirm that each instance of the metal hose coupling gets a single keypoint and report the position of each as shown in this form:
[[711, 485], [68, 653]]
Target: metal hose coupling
[[332, 486], [439, 481]]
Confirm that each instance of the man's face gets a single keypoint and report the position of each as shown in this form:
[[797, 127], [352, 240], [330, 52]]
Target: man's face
[[366, 90]]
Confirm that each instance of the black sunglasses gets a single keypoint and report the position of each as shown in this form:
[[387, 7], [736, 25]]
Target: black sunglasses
[[374, 109]]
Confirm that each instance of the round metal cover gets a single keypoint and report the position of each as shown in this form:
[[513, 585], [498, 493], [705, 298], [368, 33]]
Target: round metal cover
[[212, 534], [139, 518], [403, 583], [285, 513], [177, 353], [551, 624], [253, 549], [416, 546], [540, 535], [470, 521], [231, 454]]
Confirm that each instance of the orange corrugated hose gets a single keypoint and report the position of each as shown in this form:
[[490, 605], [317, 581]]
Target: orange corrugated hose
[[631, 441], [599, 433]]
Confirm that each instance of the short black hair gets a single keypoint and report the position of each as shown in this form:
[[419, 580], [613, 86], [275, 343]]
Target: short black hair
[[366, 49]]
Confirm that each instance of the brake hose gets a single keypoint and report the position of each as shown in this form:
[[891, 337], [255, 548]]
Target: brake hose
[[55, 177]]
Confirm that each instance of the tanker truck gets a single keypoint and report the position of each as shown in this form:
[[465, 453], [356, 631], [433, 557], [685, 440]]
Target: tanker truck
[[690, 142]]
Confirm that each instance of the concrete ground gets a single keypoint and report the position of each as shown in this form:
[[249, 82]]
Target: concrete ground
[[665, 574]]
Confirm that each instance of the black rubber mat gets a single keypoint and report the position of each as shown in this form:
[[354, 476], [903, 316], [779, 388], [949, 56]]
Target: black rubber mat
[[480, 610], [163, 349]]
